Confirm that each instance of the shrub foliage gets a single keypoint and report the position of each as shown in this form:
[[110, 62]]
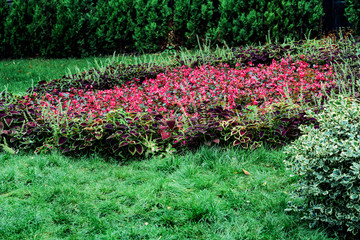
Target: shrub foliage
[[115, 31], [194, 19], [327, 157], [151, 28], [3, 16], [352, 11], [73, 28], [17, 34], [249, 21], [41, 26]]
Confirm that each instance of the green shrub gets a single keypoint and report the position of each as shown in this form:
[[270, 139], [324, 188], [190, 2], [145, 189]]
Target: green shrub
[[16, 32], [242, 22], [152, 24], [3, 15], [40, 28], [115, 25], [352, 12], [328, 159], [194, 18], [73, 29], [294, 18], [89, 24], [58, 28]]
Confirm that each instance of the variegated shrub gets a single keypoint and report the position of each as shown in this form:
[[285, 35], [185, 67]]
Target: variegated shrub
[[328, 159]]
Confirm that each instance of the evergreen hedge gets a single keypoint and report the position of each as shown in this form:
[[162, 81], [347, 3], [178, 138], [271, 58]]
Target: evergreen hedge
[[352, 12], [40, 27], [78, 28], [115, 31], [244, 21], [151, 24], [74, 28], [17, 36], [195, 18], [3, 16]]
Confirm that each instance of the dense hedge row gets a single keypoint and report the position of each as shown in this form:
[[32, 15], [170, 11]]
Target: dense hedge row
[[255, 19], [194, 18], [352, 12], [60, 28]]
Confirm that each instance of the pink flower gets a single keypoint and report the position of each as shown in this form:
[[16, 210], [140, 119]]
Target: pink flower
[[177, 90]]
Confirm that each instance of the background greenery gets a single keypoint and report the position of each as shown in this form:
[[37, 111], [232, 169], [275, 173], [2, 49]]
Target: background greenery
[[74, 28], [352, 11]]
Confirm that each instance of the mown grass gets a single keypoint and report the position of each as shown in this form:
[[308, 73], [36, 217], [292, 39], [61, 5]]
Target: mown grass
[[201, 195]]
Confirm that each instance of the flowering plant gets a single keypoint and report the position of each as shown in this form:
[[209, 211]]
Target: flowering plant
[[184, 89], [183, 107]]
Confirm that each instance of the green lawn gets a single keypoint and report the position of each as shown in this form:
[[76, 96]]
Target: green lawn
[[201, 195]]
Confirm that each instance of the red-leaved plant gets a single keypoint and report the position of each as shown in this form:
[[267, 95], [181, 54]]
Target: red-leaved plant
[[183, 108]]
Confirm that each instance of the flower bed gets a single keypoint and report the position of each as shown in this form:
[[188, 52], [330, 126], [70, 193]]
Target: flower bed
[[182, 108], [184, 89]]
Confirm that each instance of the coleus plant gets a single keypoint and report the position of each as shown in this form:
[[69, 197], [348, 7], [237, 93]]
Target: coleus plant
[[119, 134], [343, 55], [21, 126], [220, 126], [124, 135], [184, 89], [184, 108]]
